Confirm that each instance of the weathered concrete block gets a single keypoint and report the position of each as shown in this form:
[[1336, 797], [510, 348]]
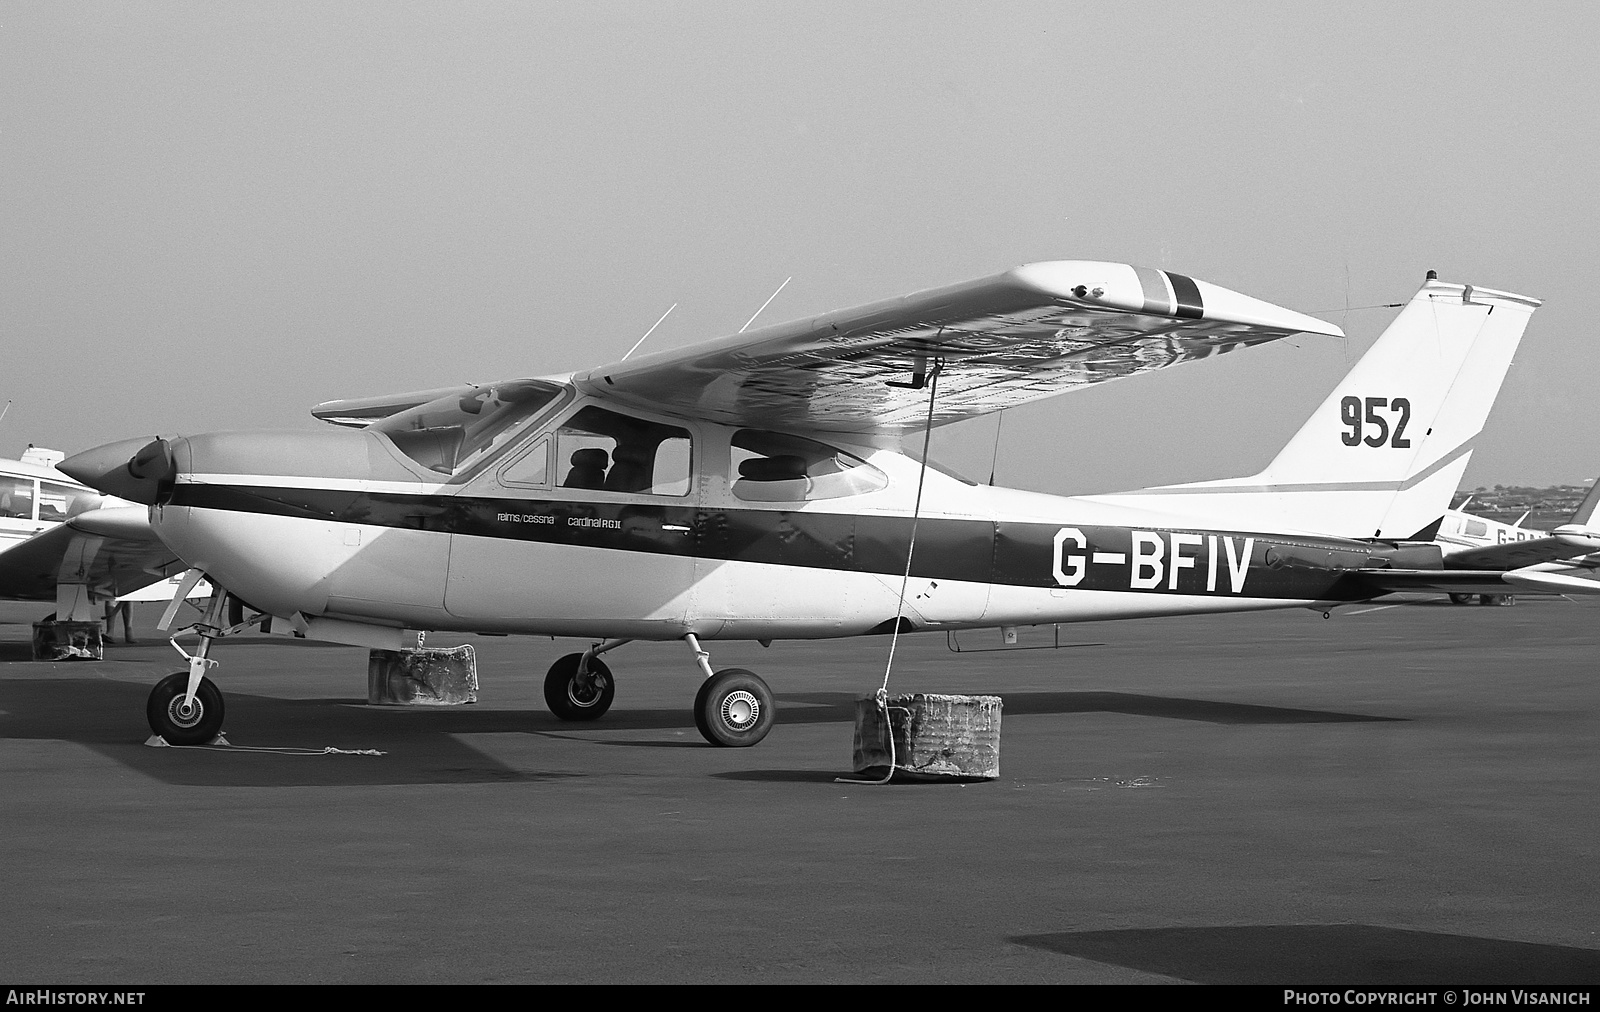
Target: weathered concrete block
[[934, 735], [68, 641], [423, 677]]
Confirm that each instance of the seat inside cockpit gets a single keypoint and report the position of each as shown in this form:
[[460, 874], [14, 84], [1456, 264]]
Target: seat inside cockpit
[[602, 449]]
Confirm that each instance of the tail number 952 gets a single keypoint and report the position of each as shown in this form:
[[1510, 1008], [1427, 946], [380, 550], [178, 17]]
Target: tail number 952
[[1375, 413]]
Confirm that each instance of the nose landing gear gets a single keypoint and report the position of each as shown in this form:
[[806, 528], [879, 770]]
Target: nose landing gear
[[186, 707]]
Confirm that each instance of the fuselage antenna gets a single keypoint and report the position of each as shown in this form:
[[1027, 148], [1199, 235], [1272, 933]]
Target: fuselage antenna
[[765, 304], [652, 330]]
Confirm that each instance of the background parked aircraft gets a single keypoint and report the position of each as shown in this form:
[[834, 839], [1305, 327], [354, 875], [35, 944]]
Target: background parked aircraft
[[64, 542]]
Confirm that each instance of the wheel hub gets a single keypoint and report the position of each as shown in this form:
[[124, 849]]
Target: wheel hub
[[585, 691], [185, 716], [740, 710]]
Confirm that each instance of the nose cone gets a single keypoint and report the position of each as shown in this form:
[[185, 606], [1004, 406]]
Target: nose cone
[[139, 470]]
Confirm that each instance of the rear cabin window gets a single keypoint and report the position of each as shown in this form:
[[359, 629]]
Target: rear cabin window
[[777, 467], [606, 451]]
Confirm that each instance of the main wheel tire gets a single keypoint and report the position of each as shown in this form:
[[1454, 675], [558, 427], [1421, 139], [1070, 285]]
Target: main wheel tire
[[199, 724], [1461, 598], [572, 698], [734, 708]]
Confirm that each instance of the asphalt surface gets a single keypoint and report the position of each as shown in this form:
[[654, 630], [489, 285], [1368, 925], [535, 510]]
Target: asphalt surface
[[1405, 795]]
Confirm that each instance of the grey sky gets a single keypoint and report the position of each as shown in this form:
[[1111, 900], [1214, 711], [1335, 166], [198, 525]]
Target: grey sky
[[215, 216]]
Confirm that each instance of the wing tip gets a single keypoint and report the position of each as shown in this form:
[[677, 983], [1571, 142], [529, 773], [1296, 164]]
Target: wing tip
[[1129, 288]]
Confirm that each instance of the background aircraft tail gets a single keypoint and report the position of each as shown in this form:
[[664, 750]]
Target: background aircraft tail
[[1383, 454]]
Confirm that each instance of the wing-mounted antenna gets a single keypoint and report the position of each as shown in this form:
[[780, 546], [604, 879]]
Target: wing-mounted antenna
[[652, 330], [765, 304]]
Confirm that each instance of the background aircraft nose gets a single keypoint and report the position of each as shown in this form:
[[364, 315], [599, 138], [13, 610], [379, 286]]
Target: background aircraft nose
[[139, 470]]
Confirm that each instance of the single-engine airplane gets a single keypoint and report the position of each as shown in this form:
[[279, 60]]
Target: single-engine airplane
[[761, 487], [1475, 542]]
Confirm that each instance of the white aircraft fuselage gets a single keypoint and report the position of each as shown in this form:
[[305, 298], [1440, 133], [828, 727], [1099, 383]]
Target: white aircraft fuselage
[[391, 548]]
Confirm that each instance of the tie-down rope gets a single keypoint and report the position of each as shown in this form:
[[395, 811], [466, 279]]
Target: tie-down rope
[[156, 741], [882, 695]]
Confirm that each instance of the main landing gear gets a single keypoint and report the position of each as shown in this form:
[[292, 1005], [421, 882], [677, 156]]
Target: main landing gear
[[733, 709], [1501, 600]]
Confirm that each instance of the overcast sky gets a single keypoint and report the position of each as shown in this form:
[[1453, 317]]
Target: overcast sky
[[213, 216]]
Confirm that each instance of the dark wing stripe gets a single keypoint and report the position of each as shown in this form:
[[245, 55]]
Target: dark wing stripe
[[1190, 305]]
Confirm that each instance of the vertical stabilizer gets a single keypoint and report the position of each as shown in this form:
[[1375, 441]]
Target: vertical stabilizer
[[1383, 454]]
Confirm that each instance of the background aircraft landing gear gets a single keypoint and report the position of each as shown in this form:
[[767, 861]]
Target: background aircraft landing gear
[[1462, 598], [577, 691], [733, 708], [194, 724]]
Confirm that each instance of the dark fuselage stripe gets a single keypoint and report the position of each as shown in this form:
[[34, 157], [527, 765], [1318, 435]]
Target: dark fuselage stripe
[[979, 551]]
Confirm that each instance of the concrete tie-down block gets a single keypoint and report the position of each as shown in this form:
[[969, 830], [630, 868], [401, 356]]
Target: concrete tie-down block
[[935, 736], [68, 641], [424, 676]]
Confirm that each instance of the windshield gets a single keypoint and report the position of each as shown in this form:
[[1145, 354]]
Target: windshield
[[453, 433]]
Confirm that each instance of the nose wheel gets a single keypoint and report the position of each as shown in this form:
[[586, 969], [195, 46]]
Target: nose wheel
[[182, 720]]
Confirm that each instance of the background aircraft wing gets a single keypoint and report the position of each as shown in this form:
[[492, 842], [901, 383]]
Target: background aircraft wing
[[112, 550], [1030, 333], [1513, 554]]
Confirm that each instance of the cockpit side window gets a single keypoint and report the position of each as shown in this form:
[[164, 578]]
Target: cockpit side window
[[452, 434], [778, 467], [607, 451]]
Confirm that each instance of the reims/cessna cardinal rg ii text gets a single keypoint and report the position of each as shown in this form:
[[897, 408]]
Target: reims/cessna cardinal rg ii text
[[755, 487]]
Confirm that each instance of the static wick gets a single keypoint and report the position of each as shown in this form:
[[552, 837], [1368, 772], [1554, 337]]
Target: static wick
[[652, 330], [765, 304]]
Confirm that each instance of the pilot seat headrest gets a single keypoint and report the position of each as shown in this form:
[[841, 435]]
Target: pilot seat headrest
[[784, 467]]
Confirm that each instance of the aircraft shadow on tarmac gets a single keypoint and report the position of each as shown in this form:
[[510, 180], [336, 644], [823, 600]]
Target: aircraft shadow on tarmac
[[1325, 954], [422, 744]]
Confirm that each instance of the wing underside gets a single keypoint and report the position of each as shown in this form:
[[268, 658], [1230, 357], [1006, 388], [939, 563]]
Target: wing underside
[[112, 563], [998, 342]]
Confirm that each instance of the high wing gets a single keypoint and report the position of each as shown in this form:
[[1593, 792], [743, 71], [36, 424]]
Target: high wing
[[1030, 333], [111, 550]]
